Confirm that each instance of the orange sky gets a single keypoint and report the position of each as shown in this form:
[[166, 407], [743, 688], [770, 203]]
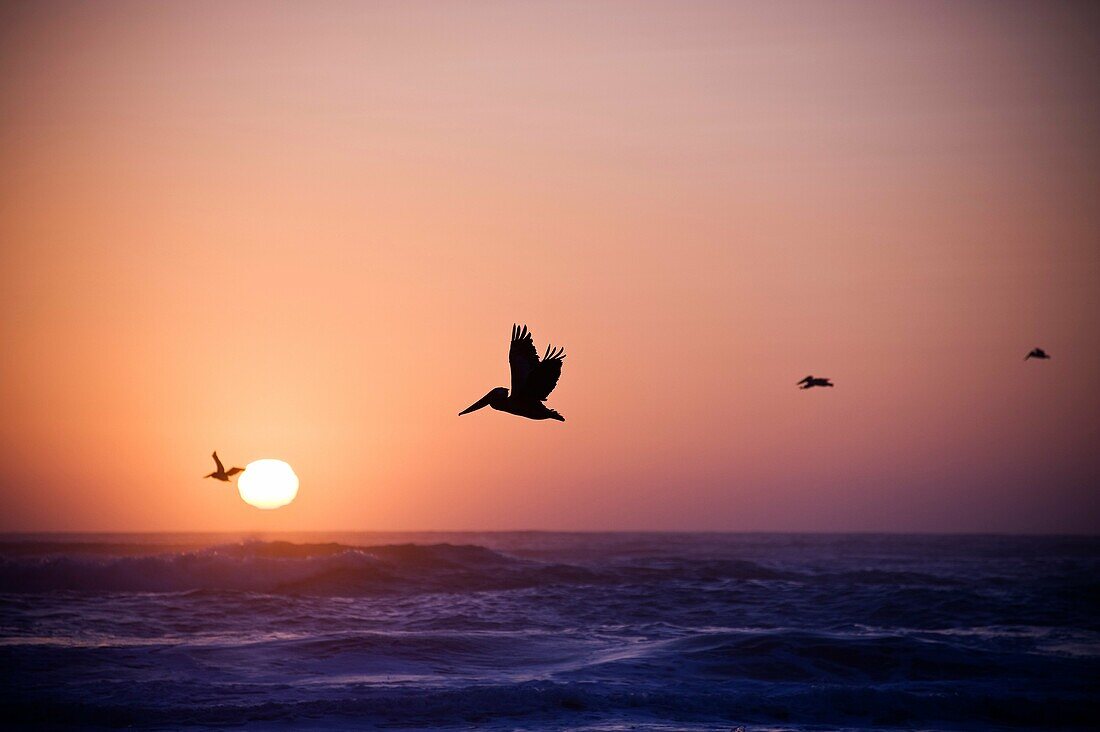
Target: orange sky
[[304, 231]]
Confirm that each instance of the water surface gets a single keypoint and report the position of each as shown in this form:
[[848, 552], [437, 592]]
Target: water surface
[[541, 631]]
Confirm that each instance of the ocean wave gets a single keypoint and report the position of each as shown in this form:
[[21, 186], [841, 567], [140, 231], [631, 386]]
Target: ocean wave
[[329, 569], [271, 567]]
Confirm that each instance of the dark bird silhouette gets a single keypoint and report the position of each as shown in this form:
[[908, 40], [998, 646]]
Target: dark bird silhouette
[[811, 381], [1037, 353], [532, 380], [221, 473]]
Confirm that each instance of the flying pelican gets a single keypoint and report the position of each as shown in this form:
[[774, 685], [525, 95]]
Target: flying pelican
[[1037, 353], [221, 473], [532, 380], [811, 381]]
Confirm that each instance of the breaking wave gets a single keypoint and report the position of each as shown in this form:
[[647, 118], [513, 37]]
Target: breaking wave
[[323, 569]]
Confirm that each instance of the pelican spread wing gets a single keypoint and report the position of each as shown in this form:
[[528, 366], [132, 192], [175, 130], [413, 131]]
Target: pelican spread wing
[[522, 357], [233, 471], [218, 462], [544, 377]]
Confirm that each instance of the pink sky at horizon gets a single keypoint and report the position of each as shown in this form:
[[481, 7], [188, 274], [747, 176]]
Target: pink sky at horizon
[[303, 231]]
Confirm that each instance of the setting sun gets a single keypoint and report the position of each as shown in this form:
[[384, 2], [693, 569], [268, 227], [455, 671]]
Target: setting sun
[[268, 484]]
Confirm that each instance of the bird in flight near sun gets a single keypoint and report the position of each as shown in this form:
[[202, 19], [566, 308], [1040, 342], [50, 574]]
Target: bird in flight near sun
[[1037, 353], [811, 381], [221, 473], [266, 483], [532, 380]]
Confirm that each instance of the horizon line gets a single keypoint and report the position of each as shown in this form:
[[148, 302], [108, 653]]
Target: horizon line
[[861, 532]]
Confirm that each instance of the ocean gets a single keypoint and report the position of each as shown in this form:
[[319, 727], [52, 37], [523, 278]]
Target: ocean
[[550, 631]]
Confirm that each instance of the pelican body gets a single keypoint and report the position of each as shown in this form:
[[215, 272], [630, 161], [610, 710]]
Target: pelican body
[[811, 381], [221, 473], [532, 380]]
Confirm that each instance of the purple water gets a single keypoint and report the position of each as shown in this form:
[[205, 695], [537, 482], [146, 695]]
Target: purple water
[[539, 631]]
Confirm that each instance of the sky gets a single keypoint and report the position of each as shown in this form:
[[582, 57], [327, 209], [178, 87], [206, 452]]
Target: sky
[[304, 230]]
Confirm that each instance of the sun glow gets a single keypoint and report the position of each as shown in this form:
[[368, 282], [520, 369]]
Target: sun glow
[[268, 484]]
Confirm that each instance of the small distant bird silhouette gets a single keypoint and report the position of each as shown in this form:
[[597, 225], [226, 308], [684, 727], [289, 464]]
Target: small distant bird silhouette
[[1037, 353], [532, 380], [221, 473], [811, 381]]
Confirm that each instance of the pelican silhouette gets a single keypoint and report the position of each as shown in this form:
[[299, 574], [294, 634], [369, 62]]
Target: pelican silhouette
[[532, 380], [221, 473], [811, 381], [1037, 353]]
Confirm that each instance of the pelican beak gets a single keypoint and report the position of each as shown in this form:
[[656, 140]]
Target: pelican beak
[[483, 402]]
